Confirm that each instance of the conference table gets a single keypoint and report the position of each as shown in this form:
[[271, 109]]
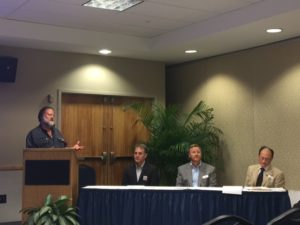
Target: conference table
[[140, 205]]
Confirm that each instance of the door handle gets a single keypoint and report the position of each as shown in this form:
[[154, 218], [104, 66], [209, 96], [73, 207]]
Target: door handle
[[112, 157], [103, 157]]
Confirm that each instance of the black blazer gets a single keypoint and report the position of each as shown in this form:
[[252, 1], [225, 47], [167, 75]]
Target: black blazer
[[149, 176]]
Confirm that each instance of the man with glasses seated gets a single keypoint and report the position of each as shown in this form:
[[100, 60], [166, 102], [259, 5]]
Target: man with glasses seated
[[264, 174]]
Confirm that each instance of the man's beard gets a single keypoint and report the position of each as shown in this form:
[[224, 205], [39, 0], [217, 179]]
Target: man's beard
[[48, 123], [51, 123]]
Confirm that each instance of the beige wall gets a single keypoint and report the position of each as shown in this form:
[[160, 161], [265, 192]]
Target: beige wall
[[255, 95], [40, 73]]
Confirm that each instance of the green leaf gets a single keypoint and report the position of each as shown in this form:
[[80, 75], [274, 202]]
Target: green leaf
[[63, 197], [44, 209], [73, 221], [54, 217], [43, 220], [31, 220], [36, 217], [62, 220], [73, 213], [61, 202], [49, 222], [48, 200]]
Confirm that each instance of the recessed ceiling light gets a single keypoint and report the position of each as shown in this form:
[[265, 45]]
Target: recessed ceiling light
[[274, 30], [191, 51], [104, 51], [119, 5]]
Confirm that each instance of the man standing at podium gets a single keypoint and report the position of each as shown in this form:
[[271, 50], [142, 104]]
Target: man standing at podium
[[46, 135], [264, 174]]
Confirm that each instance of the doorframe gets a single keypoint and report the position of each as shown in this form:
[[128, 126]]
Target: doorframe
[[60, 92]]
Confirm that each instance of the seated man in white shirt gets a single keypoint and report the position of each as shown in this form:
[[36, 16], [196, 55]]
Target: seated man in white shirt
[[140, 172], [196, 173]]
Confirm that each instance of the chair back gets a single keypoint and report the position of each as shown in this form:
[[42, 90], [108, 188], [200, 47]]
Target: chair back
[[290, 217], [228, 219], [87, 176]]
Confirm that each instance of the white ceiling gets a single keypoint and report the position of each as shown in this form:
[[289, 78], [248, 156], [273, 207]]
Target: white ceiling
[[157, 30]]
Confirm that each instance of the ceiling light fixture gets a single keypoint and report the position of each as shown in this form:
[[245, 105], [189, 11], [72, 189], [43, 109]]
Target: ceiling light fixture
[[274, 30], [104, 51], [191, 51], [119, 5]]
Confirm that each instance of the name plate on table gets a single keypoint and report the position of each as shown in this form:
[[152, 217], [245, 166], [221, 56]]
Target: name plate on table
[[233, 190]]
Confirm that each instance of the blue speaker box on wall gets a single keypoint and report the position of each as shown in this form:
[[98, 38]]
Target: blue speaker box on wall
[[8, 69]]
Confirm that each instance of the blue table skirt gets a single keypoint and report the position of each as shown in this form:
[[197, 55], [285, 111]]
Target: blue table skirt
[[176, 207]]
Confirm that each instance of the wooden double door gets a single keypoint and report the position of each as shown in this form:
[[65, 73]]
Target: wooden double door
[[107, 131]]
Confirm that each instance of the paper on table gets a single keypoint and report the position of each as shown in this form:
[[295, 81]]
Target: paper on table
[[233, 190], [263, 189]]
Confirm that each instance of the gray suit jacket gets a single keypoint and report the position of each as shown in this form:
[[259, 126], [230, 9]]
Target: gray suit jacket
[[207, 175], [273, 177]]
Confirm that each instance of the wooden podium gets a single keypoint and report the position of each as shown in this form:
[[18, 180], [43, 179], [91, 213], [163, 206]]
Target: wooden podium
[[49, 171]]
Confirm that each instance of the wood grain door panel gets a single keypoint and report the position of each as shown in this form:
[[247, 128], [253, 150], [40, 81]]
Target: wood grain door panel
[[103, 127]]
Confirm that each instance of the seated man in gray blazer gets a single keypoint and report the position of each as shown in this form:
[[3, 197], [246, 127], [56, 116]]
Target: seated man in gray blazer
[[196, 173], [264, 174]]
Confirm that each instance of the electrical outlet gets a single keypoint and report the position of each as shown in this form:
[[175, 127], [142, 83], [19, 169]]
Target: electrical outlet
[[2, 199]]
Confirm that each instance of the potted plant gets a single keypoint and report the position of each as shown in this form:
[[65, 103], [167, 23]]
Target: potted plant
[[57, 212], [172, 131]]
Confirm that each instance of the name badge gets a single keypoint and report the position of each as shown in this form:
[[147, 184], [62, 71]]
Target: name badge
[[205, 176], [145, 178]]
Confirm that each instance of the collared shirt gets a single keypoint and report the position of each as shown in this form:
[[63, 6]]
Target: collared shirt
[[138, 170], [266, 168], [38, 138], [195, 174]]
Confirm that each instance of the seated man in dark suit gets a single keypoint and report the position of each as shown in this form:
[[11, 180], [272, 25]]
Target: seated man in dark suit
[[141, 172]]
